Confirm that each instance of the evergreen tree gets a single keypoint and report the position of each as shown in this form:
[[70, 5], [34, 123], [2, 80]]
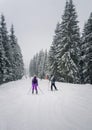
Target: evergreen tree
[[33, 67], [7, 49], [17, 62], [86, 48], [39, 64], [46, 69], [69, 48], [11, 62], [2, 61], [53, 52]]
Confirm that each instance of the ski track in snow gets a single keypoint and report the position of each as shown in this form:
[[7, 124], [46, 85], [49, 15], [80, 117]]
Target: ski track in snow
[[69, 108]]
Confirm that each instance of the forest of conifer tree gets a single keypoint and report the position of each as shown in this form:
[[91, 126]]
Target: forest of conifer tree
[[70, 54], [11, 61]]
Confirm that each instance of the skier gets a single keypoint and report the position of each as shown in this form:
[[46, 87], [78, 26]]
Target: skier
[[52, 79], [34, 84]]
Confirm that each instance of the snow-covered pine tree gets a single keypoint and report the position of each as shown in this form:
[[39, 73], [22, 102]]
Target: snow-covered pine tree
[[69, 48], [33, 67], [31, 71], [46, 70], [53, 52], [36, 63], [2, 61], [87, 51], [41, 64], [17, 62], [7, 76]]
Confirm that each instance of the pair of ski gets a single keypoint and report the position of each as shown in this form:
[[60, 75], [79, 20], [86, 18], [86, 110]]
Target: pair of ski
[[42, 91]]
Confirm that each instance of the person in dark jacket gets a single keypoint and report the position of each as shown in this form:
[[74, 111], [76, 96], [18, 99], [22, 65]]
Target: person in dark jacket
[[34, 84], [52, 79]]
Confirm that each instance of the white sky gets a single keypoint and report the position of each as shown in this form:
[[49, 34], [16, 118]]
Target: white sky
[[35, 21]]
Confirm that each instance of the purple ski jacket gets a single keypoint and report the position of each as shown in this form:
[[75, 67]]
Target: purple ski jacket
[[34, 82]]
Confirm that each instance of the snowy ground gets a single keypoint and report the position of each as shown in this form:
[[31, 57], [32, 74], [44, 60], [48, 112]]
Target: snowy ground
[[69, 108]]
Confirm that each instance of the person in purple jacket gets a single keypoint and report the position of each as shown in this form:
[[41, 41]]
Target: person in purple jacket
[[34, 84]]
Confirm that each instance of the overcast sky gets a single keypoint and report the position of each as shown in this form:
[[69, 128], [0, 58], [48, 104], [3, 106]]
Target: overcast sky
[[35, 21]]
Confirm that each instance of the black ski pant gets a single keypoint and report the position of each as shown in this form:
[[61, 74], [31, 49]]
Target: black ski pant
[[53, 85]]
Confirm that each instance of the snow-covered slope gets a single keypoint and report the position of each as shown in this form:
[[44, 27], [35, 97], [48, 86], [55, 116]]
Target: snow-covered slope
[[69, 108]]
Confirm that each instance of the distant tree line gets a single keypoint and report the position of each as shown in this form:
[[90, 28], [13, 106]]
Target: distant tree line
[[11, 62], [70, 54], [39, 64]]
